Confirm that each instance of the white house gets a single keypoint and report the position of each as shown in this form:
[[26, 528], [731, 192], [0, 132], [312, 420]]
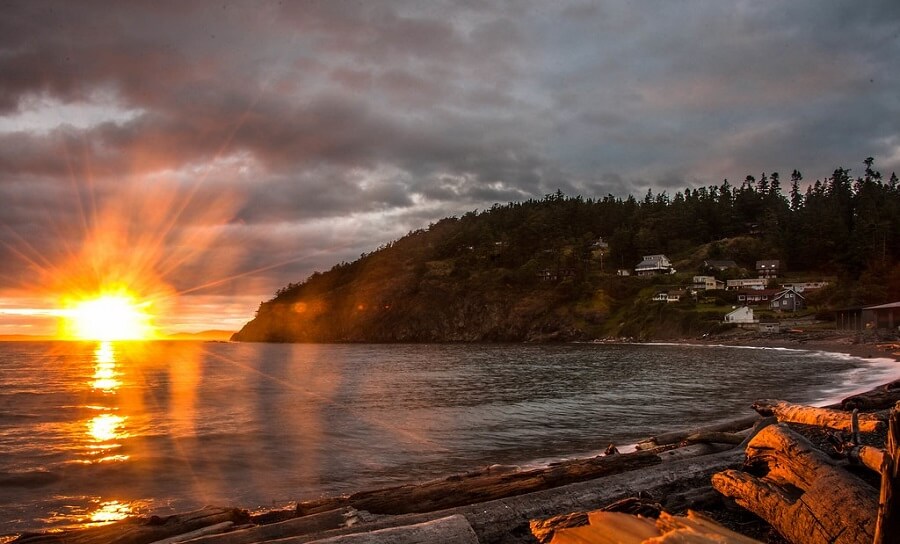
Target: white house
[[740, 316], [662, 296], [708, 283], [800, 286], [746, 283], [654, 264]]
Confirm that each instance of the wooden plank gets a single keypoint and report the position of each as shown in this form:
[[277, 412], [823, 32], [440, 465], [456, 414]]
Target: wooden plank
[[887, 527]]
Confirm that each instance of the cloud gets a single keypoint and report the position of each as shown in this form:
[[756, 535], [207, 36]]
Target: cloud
[[379, 117]]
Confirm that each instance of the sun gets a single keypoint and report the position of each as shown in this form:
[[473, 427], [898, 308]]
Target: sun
[[110, 317]]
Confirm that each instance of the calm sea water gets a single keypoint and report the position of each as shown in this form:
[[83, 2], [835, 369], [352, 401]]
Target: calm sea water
[[94, 431]]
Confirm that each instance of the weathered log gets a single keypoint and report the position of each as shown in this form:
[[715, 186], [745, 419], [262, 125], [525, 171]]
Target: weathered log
[[544, 529], [887, 528], [465, 489], [449, 530], [141, 531], [314, 523], [880, 398], [822, 417], [674, 437], [499, 520], [616, 528], [798, 490], [867, 456], [204, 531], [714, 437], [699, 528]]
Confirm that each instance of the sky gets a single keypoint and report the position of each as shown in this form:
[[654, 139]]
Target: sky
[[207, 153]]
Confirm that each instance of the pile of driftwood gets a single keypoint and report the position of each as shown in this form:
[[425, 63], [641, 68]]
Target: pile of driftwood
[[671, 472], [810, 497]]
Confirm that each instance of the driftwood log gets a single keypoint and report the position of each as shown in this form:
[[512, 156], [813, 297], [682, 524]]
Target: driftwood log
[[880, 398], [675, 437], [887, 529], [616, 528], [802, 493], [829, 418], [482, 486], [449, 530], [143, 531]]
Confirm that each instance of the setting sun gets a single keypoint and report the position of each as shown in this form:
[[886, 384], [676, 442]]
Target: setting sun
[[110, 317]]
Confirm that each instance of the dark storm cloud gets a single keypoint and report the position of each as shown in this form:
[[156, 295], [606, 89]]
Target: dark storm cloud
[[378, 117]]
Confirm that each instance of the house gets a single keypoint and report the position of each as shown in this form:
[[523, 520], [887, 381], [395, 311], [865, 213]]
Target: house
[[882, 316], [768, 269], [788, 300], [623, 272], [740, 316], [756, 296], [746, 283], [712, 264], [662, 296], [885, 316], [654, 264], [708, 283], [801, 286], [674, 296]]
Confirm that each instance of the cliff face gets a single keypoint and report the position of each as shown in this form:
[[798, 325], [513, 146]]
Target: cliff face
[[420, 312]]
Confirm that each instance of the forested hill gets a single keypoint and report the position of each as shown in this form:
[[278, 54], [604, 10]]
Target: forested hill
[[537, 270]]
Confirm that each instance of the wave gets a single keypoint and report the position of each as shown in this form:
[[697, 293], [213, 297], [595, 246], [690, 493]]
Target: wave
[[28, 480]]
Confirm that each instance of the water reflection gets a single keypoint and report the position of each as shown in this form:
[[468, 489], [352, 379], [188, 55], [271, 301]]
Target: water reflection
[[105, 373], [106, 428], [110, 511]]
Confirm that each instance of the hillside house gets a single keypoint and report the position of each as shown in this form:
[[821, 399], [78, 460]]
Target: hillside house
[[757, 297], [768, 269], [788, 300], [740, 316], [654, 264], [708, 283], [662, 296], [801, 286], [746, 283], [675, 296]]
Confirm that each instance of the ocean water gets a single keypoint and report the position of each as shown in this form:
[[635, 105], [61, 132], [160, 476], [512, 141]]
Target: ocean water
[[91, 432]]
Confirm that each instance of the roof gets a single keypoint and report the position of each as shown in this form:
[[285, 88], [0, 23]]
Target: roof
[[783, 292], [771, 262]]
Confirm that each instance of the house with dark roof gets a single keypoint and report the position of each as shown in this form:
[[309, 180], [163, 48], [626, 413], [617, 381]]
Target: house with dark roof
[[768, 269], [654, 264], [756, 297], [788, 300]]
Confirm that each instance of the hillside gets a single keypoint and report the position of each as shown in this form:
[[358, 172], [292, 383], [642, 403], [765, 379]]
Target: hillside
[[545, 270]]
